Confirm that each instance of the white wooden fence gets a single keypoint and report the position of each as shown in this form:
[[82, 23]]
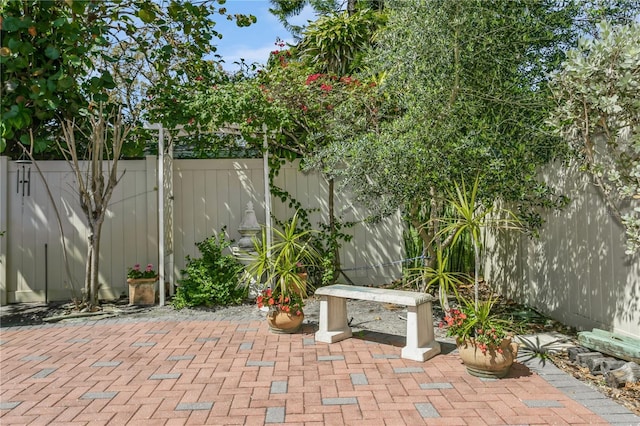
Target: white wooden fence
[[208, 195], [576, 271]]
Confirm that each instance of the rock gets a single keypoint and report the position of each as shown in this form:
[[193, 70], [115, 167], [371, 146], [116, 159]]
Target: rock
[[612, 364]]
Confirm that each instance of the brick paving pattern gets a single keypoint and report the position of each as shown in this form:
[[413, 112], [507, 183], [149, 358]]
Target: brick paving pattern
[[223, 372]]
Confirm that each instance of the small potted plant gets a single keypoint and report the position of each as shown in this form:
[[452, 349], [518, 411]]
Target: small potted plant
[[282, 267], [142, 285], [484, 345], [284, 312]]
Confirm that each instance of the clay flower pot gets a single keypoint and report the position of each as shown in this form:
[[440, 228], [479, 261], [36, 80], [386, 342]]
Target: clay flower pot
[[284, 322], [142, 291], [493, 363]]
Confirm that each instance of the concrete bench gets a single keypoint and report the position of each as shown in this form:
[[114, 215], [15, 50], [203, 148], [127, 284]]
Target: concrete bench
[[420, 344]]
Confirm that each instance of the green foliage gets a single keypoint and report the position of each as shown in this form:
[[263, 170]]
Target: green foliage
[[414, 250], [460, 255], [472, 100], [211, 279], [302, 106], [287, 9], [598, 114], [59, 58], [467, 102], [470, 217], [477, 322], [280, 263], [440, 276], [335, 43]]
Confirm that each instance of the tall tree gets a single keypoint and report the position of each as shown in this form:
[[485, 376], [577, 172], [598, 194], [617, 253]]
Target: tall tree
[[295, 96], [56, 55], [468, 82], [335, 44], [102, 145], [285, 10]]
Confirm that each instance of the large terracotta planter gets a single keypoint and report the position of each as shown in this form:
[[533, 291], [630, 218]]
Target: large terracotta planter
[[142, 291], [283, 322], [493, 363]]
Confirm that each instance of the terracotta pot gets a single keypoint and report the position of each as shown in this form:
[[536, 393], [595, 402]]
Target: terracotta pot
[[492, 363], [284, 322], [142, 291]]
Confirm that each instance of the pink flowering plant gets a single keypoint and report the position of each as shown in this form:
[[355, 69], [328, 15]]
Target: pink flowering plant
[[278, 302], [137, 272], [477, 325]]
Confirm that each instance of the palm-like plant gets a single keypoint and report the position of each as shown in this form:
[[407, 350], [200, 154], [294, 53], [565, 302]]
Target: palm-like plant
[[336, 42], [447, 281], [281, 262], [471, 217]]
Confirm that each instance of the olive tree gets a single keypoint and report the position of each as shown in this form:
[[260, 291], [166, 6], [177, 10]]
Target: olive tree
[[465, 90], [465, 94]]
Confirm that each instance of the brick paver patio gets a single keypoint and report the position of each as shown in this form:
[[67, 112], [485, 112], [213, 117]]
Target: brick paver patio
[[221, 372]]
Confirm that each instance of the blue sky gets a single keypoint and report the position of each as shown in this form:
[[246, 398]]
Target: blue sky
[[252, 43]]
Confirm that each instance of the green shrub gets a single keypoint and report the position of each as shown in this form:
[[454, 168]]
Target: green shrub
[[212, 279]]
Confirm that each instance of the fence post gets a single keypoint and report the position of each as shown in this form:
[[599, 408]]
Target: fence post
[[151, 217], [4, 211]]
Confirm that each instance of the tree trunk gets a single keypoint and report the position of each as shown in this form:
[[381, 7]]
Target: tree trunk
[[86, 296], [476, 272], [351, 7], [95, 263], [628, 373]]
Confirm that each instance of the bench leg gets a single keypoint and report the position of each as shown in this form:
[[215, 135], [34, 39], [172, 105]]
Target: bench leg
[[333, 325], [421, 344]]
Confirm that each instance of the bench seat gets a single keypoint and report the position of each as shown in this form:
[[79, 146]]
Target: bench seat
[[420, 342]]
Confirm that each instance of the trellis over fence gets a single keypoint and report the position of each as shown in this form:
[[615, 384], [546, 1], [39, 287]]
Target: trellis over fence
[[208, 195], [577, 271]]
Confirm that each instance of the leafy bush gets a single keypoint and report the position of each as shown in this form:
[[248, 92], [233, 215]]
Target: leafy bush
[[212, 279]]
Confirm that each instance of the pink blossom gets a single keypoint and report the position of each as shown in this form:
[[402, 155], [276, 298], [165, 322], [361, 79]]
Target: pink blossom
[[312, 78]]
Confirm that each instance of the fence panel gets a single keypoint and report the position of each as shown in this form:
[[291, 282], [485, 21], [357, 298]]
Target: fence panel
[[35, 262], [577, 270], [208, 195]]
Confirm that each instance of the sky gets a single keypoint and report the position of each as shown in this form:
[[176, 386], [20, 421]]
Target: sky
[[252, 43]]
